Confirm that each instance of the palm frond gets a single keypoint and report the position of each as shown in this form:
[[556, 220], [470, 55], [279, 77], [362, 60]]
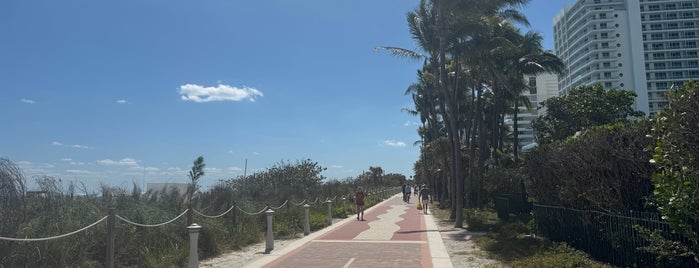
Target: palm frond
[[401, 52]]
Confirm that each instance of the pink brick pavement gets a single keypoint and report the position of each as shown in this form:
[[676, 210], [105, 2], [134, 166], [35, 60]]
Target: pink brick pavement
[[406, 248]]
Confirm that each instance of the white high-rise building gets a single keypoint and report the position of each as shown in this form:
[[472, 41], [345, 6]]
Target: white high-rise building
[[640, 45], [541, 87]]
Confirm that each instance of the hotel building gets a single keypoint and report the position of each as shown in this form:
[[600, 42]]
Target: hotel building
[[641, 45]]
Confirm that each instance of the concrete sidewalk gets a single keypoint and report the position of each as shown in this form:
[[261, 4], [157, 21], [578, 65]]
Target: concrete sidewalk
[[394, 234]]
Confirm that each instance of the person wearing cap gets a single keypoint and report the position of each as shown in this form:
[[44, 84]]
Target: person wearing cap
[[425, 197]]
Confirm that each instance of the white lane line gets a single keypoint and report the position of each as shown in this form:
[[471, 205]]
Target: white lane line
[[347, 265]]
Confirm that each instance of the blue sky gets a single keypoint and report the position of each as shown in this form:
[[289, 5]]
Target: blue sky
[[117, 92]]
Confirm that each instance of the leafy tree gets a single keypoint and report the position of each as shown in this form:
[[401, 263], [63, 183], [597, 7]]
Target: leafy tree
[[581, 109], [676, 154], [606, 169], [283, 181]]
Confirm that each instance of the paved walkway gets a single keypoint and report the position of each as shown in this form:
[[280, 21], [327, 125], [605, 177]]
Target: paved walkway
[[394, 234]]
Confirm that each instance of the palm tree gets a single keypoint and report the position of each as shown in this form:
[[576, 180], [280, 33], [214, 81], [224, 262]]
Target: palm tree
[[531, 59]]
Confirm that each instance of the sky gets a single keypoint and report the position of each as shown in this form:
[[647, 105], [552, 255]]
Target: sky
[[133, 91]]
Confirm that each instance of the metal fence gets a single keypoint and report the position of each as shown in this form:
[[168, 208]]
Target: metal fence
[[608, 237]]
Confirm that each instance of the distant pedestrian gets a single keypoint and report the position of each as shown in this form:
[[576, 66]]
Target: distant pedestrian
[[425, 197], [406, 193], [359, 202]]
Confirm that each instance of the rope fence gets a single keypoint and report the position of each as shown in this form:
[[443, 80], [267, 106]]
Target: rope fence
[[193, 229], [54, 237], [152, 225]]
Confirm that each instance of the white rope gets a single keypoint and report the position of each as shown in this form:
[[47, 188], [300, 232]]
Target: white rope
[[217, 216], [53, 237], [315, 201], [252, 214], [299, 204], [151, 225], [280, 206]]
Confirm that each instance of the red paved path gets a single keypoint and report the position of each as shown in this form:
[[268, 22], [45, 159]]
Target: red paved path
[[407, 247]]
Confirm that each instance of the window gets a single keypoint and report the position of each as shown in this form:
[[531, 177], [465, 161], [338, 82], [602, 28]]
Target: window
[[689, 35], [673, 35], [689, 25], [671, 16], [691, 54], [605, 55], [607, 75], [676, 65], [675, 55], [686, 5], [676, 75], [660, 76], [692, 64], [653, 7], [606, 65], [605, 45], [672, 26], [532, 81], [691, 44], [603, 35], [673, 45], [655, 17], [658, 56], [659, 66], [656, 26], [687, 15], [661, 86], [603, 25], [670, 6], [658, 46], [608, 84], [656, 36]]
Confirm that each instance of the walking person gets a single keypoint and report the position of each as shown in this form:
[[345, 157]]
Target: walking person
[[405, 199], [425, 197], [406, 193], [359, 203]]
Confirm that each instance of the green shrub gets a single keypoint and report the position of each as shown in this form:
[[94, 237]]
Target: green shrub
[[560, 255], [317, 221]]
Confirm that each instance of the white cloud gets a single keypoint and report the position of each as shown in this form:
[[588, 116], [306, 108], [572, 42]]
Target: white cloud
[[28, 101], [394, 143], [197, 93], [66, 159], [336, 166], [152, 169], [122, 162], [411, 124], [235, 169], [78, 146], [122, 102], [78, 172]]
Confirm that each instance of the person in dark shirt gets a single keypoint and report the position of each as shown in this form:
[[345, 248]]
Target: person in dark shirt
[[425, 197]]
